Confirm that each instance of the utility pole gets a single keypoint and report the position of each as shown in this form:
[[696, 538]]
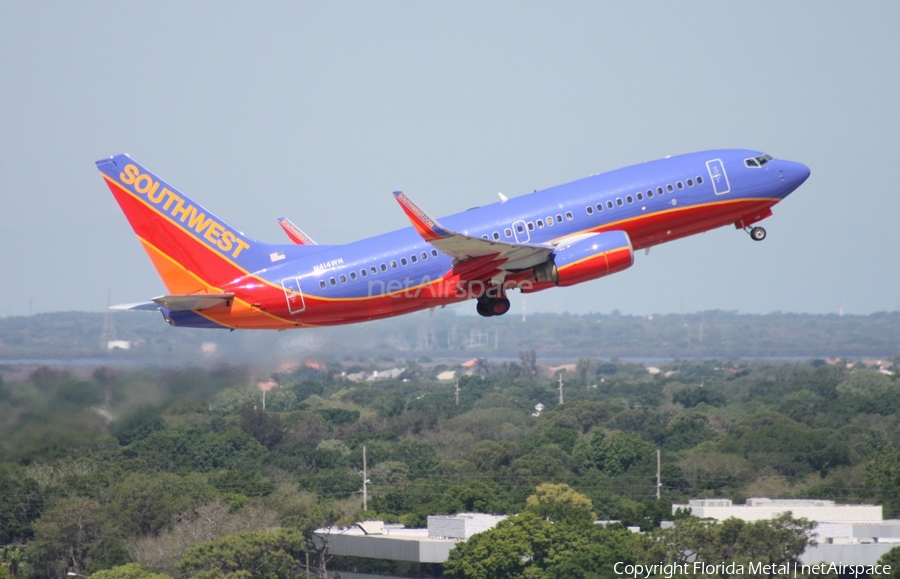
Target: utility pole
[[658, 480], [560, 389], [457, 392], [366, 482]]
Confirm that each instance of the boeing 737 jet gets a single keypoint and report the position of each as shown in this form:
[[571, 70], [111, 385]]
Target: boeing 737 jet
[[217, 277]]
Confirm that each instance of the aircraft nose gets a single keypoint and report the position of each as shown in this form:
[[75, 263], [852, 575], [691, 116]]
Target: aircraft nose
[[793, 175]]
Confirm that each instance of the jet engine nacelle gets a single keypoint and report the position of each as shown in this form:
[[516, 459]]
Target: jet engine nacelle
[[582, 259]]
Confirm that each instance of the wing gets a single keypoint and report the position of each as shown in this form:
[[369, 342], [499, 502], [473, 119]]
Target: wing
[[475, 258]]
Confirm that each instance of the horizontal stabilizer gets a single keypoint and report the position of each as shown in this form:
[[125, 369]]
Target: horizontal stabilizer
[[193, 302], [139, 306]]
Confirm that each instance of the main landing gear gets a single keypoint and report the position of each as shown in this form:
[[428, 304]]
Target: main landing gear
[[492, 306], [756, 233]]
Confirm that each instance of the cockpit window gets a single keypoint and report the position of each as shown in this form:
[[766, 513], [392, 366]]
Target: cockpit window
[[758, 161]]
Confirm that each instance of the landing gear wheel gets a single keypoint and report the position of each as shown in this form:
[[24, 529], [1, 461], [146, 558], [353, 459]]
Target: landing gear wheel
[[757, 234], [483, 307]]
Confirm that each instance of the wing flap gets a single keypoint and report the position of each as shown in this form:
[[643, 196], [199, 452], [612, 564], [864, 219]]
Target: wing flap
[[192, 302]]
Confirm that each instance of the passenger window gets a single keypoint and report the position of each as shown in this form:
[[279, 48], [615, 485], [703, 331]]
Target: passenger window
[[363, 272], [558, 218], [589, 209], [434, 253], [670, 188], [333, 281], [540, 224], [424, 255], [353, 275], [530, 226], [619, 201], [680, 185], [600, 206], [393, 264], [649, 193], [640, 196], [343, 278], [403, 261], [569, 216], [609, 204], [373, 270], [520, 228], [699, 180], [690, 182], [383, 267], [507, 232], [659, 190], [322, 283], [550, 220], [485, 237], [629, 198], [413, 258], [496, 236]]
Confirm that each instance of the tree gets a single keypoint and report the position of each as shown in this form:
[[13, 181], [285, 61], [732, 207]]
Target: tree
[[778, 541], [145, 503], [613, 455], [273, 555], [20, 504], [128, 571], [65, 535], [265, 427], [560, 503], [525, 546], [206, 523], [892, 558]]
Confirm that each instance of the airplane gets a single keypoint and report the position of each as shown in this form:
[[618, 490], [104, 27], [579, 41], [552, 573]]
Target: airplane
[[217, 277]]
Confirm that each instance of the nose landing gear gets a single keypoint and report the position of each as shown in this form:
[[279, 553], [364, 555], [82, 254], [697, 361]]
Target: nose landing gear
[[756, 233]]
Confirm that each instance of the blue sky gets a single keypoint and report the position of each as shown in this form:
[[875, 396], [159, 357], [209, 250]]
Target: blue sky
[[317, 111]]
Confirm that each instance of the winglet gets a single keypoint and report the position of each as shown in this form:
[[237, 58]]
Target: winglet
[[294, 232], [428, 228]]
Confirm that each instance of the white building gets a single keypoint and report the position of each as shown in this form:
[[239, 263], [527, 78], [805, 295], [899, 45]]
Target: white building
[[378, 540], [849, 534]]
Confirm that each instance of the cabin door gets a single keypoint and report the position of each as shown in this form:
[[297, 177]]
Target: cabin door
[[293, 294], [719, 178]]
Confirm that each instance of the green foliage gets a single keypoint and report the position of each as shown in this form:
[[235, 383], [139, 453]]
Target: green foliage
[[613, 455], [198, 449], [891, 558], [67, 536], [526, 545], [561, 504], [339, 416], [273, 555], [267, 428], [188, 440], [777, 541], [128, 571], [691, 397], [147, 503], [139, 425], [792, 449], [21, 502]]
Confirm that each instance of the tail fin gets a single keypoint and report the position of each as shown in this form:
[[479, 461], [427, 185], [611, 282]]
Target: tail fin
[[294, 233], [193, 250]]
